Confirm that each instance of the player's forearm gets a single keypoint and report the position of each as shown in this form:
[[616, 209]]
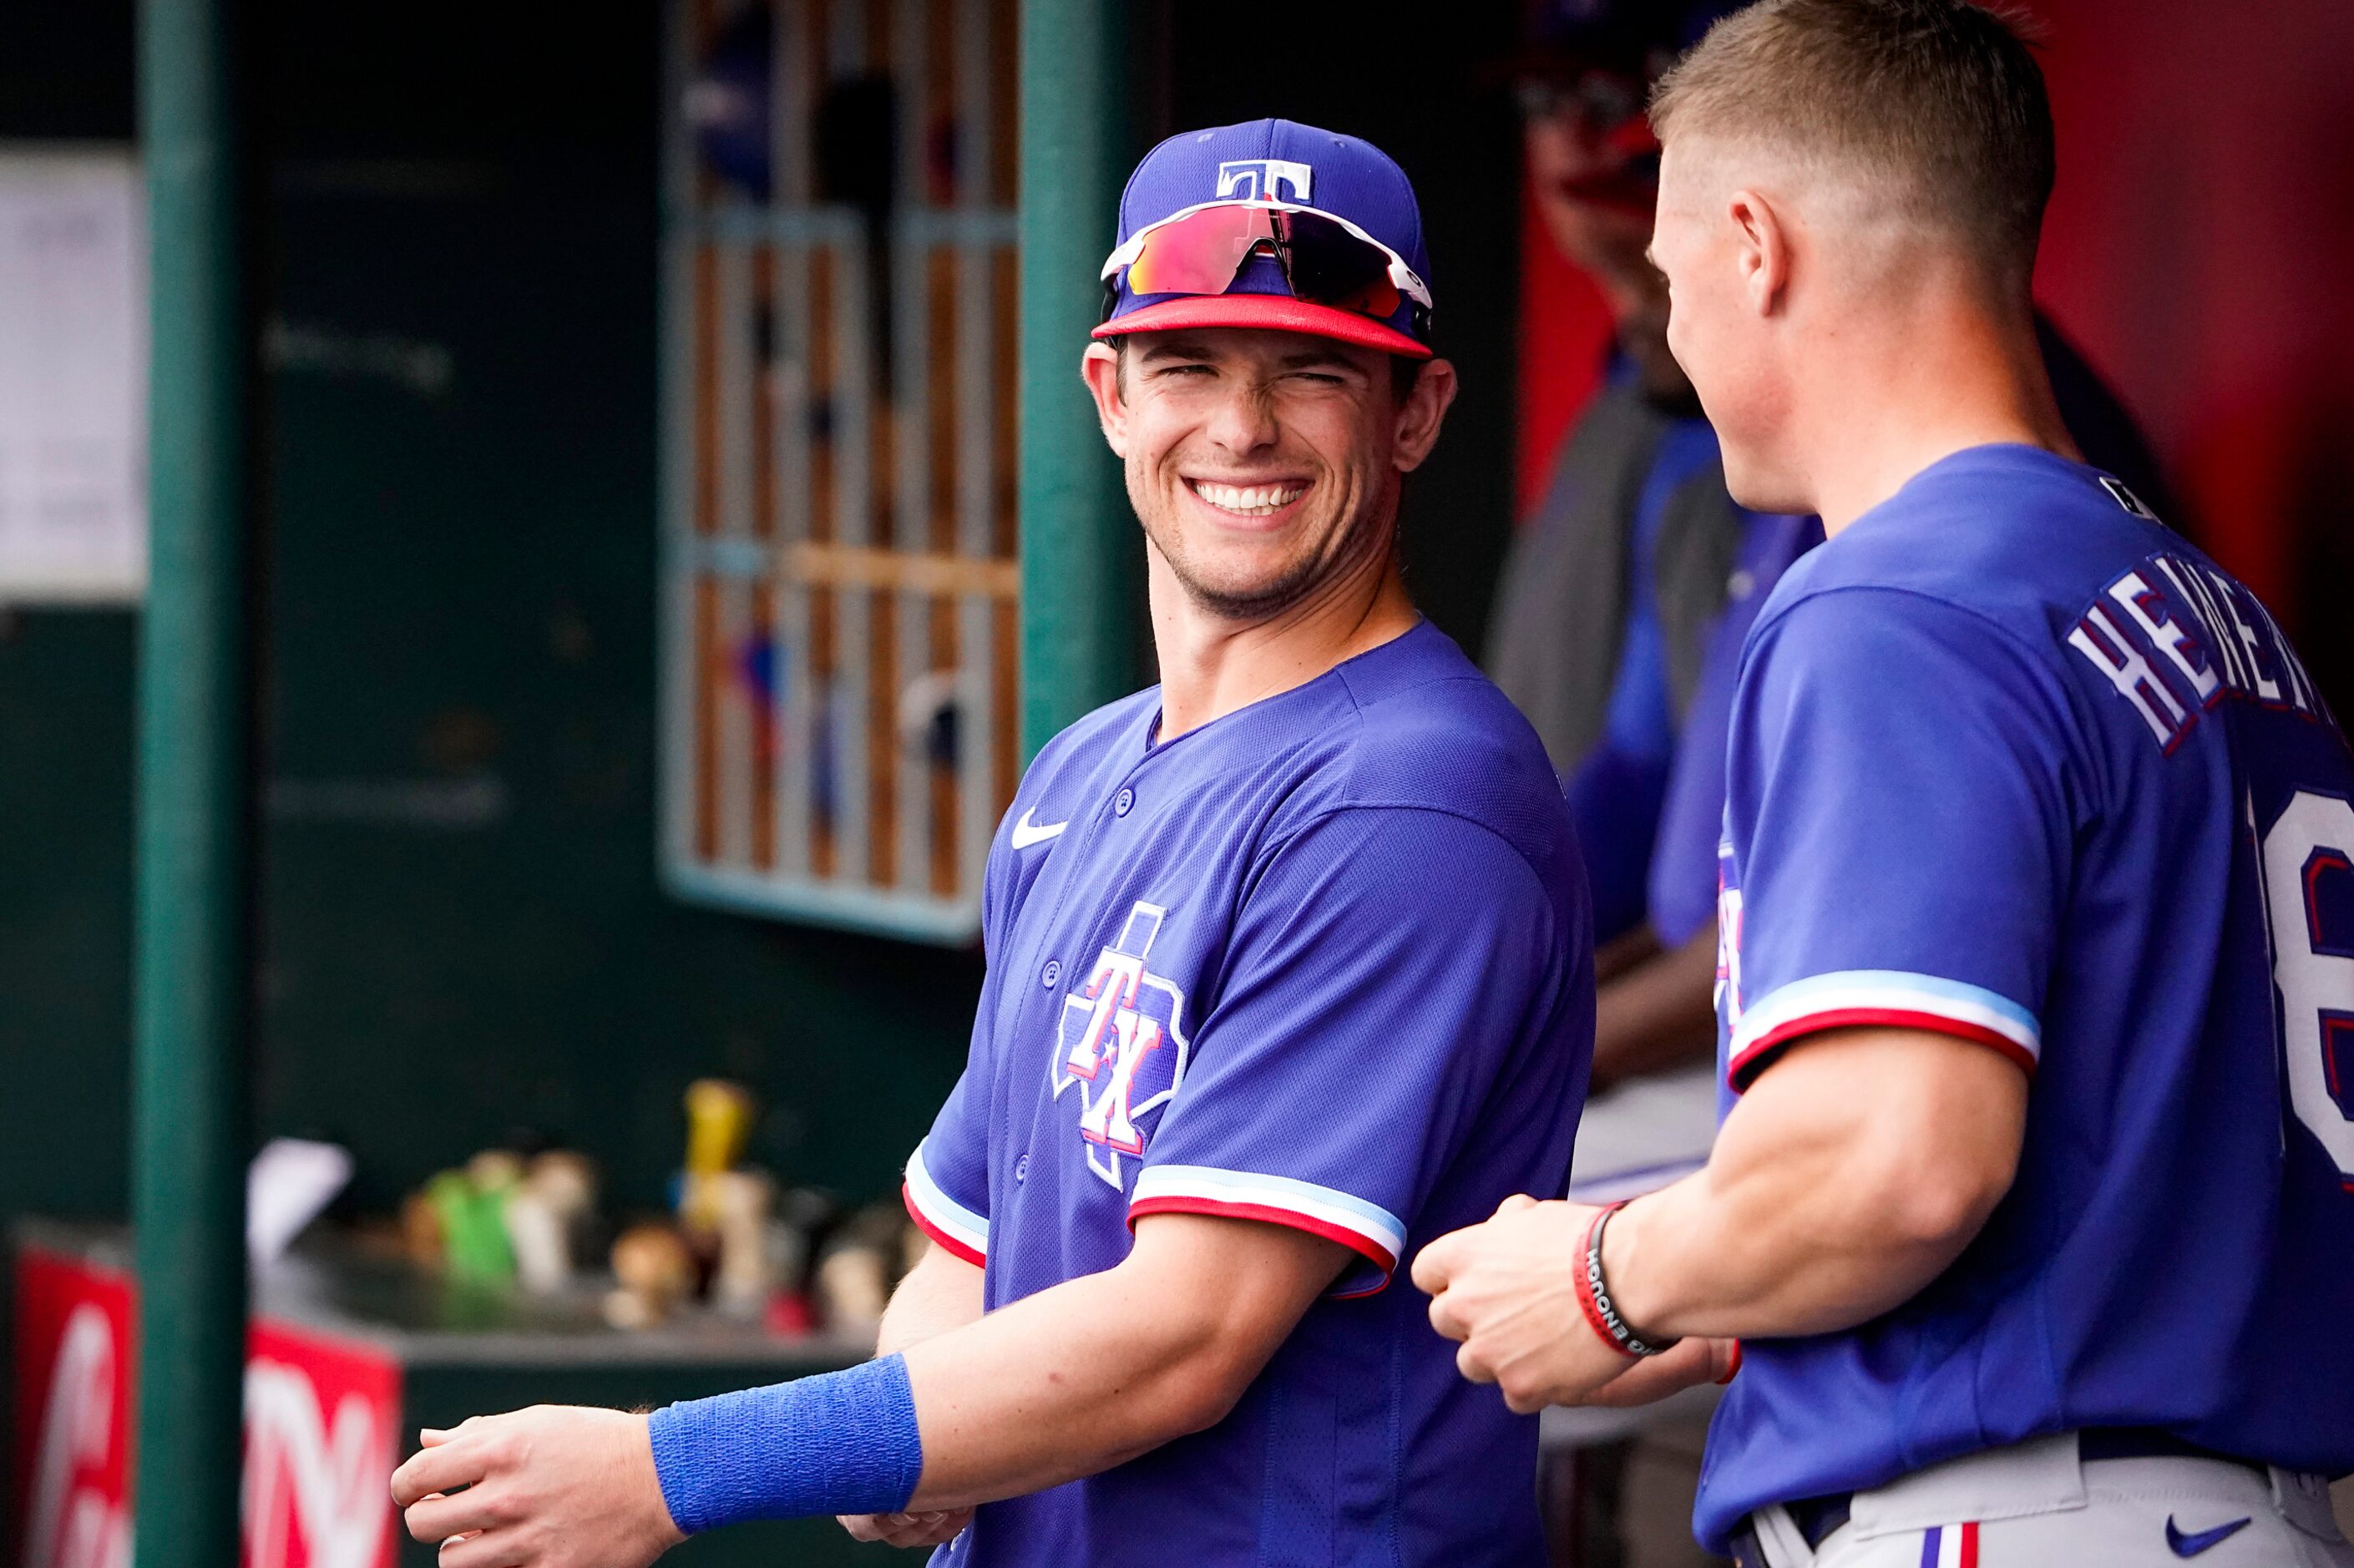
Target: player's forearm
[[1854, 1174], [1758, 1252], [1660, 1013], [1624, 952], [1072, 1382], [940, 1293]]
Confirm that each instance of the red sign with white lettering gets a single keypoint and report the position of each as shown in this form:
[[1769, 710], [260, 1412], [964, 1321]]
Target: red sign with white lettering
[[72, 1485], [321, 1418]]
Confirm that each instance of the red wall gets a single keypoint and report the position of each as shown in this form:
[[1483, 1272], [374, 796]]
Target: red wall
[[1565, 331], [2198, 248]]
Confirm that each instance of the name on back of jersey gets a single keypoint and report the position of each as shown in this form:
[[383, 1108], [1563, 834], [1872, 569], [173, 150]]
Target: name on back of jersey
[[2174, 637]]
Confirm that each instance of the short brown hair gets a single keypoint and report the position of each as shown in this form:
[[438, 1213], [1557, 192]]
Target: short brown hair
[[1941, 96]]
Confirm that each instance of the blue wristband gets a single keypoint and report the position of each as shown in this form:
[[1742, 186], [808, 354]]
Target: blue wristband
[[841, 1443]]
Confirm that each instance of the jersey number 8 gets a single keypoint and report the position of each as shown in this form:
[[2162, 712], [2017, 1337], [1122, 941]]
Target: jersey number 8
[[2314, 836]]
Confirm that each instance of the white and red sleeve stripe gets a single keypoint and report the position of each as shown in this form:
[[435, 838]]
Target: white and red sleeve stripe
[[960, 1230], [1364, 1228], [1887, 997]]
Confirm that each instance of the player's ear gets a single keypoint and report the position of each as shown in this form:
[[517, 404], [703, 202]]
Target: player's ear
[[1419, 417], [1099, 368], [1761, 248]]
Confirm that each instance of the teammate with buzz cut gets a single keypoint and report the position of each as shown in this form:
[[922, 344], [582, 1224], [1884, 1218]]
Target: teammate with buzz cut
[[2036, 1210], [1289, 970]]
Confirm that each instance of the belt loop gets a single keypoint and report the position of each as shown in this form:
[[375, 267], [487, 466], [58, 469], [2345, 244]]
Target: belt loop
[[1780, 1538], [2304, 1500]]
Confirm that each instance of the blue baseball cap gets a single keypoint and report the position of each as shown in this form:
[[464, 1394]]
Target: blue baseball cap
[[1287, 165]]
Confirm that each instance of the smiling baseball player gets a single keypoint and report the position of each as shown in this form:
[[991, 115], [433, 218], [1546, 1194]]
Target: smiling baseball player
[[2036, 1212], [1289, 972]]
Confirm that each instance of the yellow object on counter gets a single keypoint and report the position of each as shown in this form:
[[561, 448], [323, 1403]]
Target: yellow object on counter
[[718, 1125]]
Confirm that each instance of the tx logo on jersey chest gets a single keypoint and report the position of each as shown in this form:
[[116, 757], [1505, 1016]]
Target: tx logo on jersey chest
[[1120, 1041]]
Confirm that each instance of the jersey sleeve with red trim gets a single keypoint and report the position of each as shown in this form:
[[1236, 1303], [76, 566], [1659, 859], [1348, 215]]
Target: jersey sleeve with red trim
[[947, 1187], [947, 1190], [1382, 970], [1900, 813]]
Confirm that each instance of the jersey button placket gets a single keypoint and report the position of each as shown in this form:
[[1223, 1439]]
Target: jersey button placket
[[1052, 975], [1124, 803]]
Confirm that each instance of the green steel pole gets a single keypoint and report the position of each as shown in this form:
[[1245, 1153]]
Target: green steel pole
[[192, 1007], [1082, 561]]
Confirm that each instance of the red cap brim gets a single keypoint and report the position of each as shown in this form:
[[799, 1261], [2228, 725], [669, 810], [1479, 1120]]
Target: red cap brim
[[1276, 312]]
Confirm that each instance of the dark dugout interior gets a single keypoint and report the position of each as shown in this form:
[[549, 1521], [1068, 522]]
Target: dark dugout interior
[[463, 937]]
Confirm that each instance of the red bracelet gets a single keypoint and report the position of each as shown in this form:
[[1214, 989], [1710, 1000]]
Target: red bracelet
[[1594, 1296], [1586, 1287]]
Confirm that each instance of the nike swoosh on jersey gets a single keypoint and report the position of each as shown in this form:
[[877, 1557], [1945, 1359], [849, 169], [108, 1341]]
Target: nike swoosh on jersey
[[1027, 832], [2192, 1545]]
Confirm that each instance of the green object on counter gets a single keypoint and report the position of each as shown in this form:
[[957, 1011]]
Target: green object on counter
[[474, 1246]]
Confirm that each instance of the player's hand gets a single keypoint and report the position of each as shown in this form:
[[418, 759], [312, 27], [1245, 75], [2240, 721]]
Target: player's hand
[[551, 1487], [1685, 1365], [907, 1529], [1506, 1290]]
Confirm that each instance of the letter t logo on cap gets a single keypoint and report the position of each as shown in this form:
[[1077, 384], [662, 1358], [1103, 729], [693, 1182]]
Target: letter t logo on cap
[[1264, 179]]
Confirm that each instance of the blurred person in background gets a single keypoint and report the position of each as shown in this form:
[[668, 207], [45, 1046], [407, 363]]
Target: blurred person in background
[[1618, 624]]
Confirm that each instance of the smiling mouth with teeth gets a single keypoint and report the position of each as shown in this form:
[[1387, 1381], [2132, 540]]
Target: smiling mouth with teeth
[[1249, 500]]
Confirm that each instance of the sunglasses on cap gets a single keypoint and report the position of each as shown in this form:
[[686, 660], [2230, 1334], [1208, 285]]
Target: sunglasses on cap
[[1603, 100], [1326, 261]]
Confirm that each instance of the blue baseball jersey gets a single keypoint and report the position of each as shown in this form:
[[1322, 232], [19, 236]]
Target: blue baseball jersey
[[1681, 881], [1323, 962], [1616, 794], [2011, 762]]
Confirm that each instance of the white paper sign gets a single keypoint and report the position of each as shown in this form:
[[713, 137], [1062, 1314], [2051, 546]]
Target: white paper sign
[[74, 376]]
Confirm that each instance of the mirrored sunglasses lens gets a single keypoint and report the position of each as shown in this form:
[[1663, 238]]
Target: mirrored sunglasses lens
[[1330, 266], [1608, 99], [1199, 253], [1598, 99]]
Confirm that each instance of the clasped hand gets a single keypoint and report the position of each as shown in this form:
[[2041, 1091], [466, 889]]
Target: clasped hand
[[551, 1487], [1506, 1291]]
